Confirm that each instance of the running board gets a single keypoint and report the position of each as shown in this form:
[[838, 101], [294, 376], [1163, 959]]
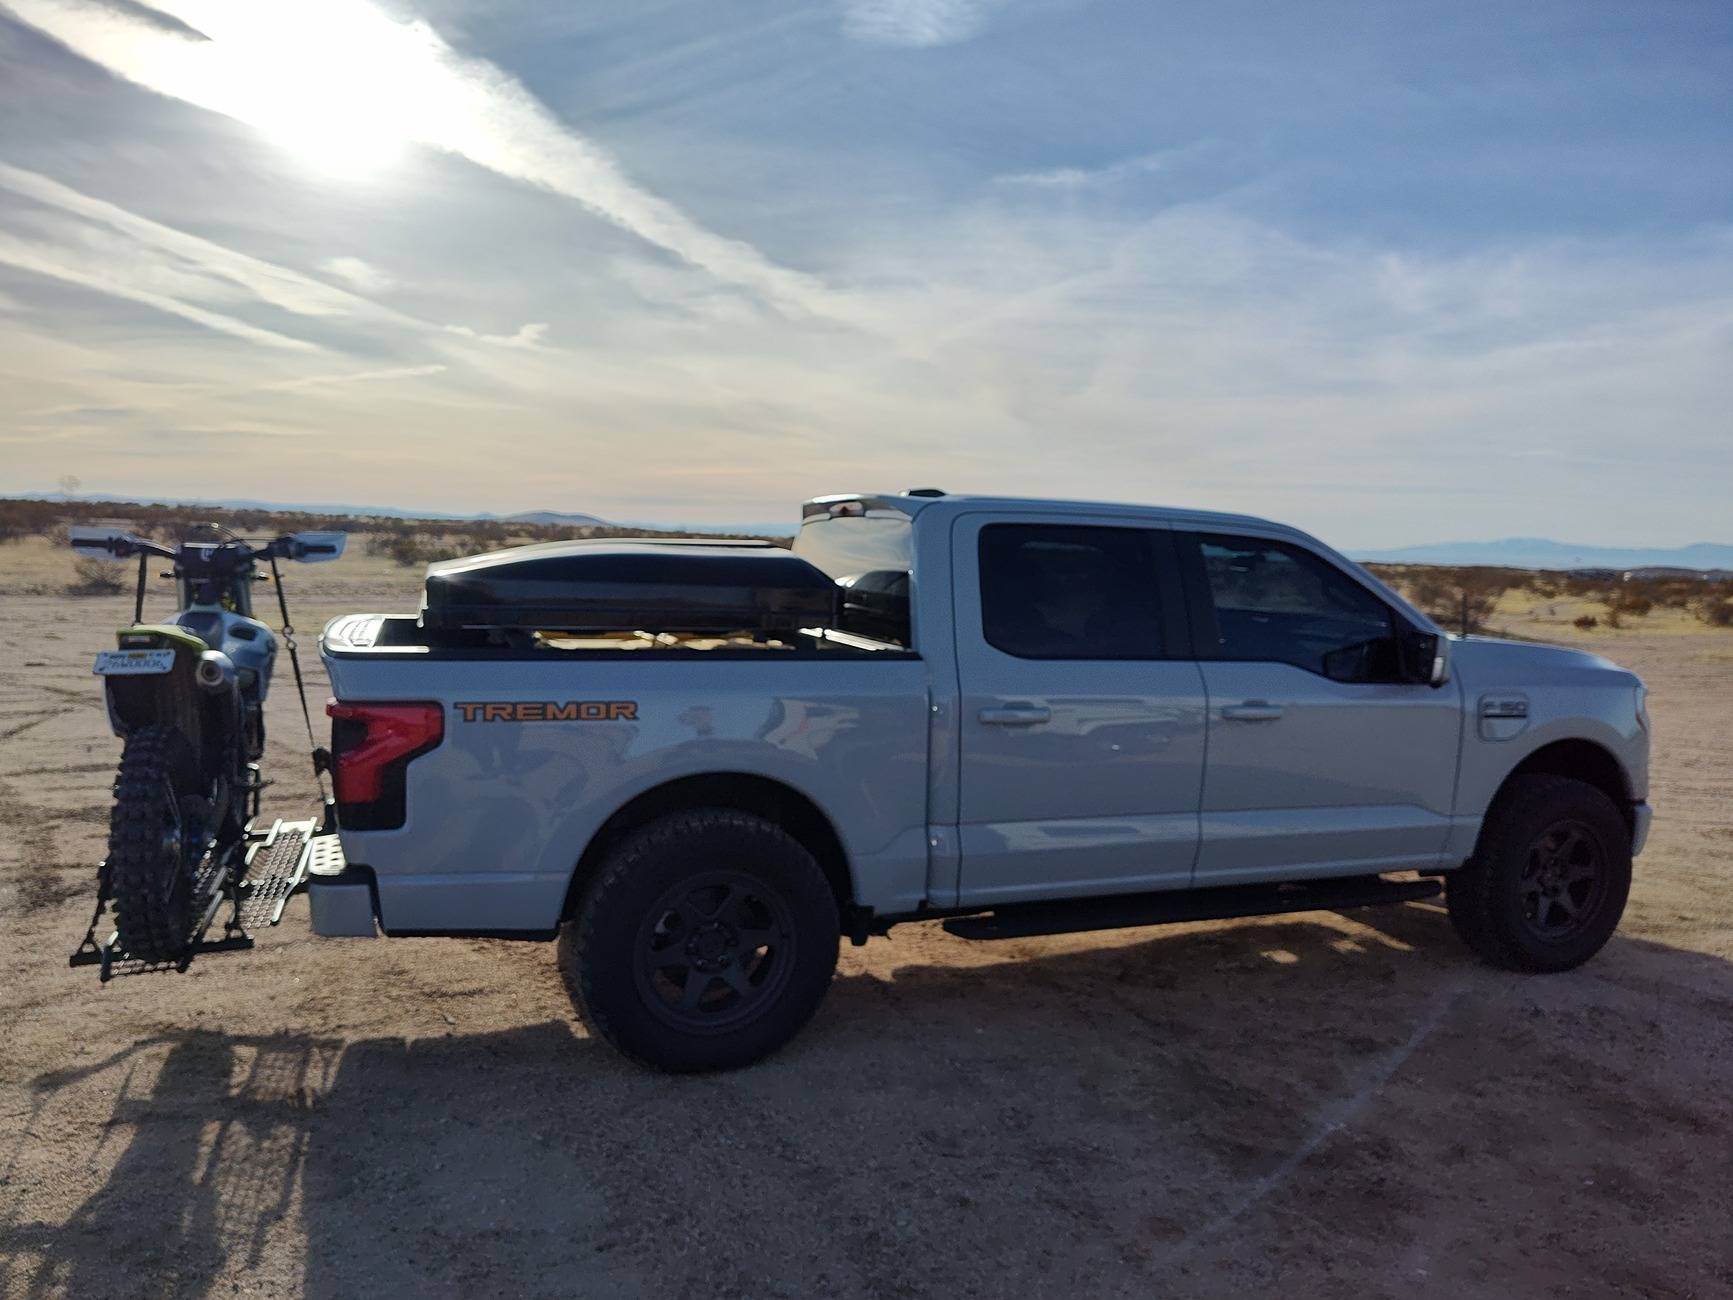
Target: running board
[[1122, 911]]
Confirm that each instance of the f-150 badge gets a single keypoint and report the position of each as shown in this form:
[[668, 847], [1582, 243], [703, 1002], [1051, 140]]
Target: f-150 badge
[[550, 711]]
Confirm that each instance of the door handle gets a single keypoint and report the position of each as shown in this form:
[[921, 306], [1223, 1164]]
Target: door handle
[[1252, 711], [1020, 715]]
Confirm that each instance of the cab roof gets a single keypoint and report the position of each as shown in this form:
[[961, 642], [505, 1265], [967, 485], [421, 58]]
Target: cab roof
[[930, 500], [924, 500]]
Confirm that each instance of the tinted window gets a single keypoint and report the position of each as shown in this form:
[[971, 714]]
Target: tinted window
[[1059, 592], [1279, 603]]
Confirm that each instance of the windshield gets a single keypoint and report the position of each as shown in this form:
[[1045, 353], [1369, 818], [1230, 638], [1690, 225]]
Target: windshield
[[847, 546]]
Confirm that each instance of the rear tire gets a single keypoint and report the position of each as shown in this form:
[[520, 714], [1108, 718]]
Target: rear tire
[[1549, 878], [706, 941], [153, 851]]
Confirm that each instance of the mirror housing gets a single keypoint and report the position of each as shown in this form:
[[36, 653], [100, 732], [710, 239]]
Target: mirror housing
[[316, 548], [102, 541], [1425, 657]]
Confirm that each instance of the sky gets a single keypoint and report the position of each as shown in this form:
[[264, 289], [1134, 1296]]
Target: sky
[[1393, 273]]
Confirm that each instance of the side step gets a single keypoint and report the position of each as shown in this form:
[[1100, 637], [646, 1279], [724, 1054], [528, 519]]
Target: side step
[[1122, 911]]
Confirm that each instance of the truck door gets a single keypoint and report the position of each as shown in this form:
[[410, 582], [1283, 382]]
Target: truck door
[[1322, 760], [1082, 726]]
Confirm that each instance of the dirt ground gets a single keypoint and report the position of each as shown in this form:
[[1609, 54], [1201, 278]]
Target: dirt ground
[[1314, 1105]]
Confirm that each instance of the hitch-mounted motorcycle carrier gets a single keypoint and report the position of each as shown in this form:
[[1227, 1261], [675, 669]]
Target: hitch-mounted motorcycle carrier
[[255, 878], [256, 875]]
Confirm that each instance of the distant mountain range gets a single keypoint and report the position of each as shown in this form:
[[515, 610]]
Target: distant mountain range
[[544, 517], [1511, 553], [550, 517], [1540, 553], [245, 503]]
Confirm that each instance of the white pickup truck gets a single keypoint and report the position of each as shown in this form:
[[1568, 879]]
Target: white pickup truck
[[699, 765]]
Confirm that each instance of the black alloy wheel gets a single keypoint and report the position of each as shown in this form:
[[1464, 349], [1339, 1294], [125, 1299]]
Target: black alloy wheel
[[714, 950], [1564, 881]]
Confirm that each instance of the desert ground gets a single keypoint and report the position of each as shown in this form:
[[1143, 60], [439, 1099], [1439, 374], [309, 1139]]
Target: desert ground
[[1310, 1106]]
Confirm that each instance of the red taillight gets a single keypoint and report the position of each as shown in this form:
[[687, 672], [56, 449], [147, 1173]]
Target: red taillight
[[381, 737]]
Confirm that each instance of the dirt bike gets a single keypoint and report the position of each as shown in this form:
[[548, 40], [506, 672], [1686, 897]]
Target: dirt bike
[[187, 698]]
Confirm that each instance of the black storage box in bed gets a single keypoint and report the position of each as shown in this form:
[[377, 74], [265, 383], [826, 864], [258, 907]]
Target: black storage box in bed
[[631, 584]]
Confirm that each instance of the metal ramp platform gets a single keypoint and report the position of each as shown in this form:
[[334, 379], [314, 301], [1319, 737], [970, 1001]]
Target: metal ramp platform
[[275, 868], [256, 878]]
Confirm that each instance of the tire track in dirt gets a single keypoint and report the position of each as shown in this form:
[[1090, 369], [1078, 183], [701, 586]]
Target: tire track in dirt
[[37, 721], [38, 881], [1333, 1119]]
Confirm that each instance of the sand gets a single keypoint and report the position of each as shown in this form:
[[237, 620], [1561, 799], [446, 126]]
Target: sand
[[1312, 1105]]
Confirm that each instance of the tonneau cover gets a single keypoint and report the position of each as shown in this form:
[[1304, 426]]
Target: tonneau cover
[[625, 584]]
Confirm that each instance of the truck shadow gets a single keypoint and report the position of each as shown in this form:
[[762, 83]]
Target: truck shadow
[[1094, 1115]]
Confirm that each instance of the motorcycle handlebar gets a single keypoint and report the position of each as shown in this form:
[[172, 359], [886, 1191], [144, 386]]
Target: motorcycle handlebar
[[291, 546], [124, 548]]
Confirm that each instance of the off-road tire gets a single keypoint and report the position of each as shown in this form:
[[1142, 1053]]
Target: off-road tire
[[609, 947], [1490, 898], [151, 888]]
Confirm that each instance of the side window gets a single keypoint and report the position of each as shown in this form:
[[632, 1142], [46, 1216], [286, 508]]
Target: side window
[[1053, 591], [1275, 602]]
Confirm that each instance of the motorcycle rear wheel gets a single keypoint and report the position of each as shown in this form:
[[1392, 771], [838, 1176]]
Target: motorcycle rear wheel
[[153, 847]]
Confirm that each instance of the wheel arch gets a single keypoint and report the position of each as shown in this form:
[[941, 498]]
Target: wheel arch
[[762, 796], [1581, 760]]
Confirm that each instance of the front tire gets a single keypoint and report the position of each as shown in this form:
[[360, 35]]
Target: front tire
[[153, 846], [706, 941], [1549, 878]]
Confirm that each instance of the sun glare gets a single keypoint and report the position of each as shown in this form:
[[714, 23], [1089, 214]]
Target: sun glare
[[342, 85]]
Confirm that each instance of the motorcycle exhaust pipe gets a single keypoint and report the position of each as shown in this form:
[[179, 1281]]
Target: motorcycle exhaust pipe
[[215, 671]]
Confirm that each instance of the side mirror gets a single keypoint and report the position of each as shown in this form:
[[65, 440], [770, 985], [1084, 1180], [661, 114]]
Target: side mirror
[[316, 548], [1425, 658], [102, 541]]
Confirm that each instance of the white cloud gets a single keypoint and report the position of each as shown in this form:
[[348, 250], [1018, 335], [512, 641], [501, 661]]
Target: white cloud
[[359, 377], [358, 274], [107, 249], [113, 280], [529, 336], [916, 23], [1076, 178], [264, 281]]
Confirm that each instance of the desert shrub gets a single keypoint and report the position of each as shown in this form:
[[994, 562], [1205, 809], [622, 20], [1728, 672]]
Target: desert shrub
[[93, 577], [1586, 622], [1718, 613], [19, 518], [409, 548], [1633, 603], [1450, 596], [1668, 593]]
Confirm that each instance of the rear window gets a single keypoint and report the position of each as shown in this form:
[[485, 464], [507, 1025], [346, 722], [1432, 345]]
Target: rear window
[[1067, 592], [847, 546]]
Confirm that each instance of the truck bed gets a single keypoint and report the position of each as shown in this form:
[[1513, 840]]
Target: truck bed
[[402, 636], [547, 736]]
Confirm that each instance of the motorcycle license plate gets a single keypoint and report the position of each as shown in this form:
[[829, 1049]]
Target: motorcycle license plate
[[126, 663]]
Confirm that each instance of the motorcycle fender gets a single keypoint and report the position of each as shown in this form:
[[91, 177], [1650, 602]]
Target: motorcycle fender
[[114, 722], [171, 698]]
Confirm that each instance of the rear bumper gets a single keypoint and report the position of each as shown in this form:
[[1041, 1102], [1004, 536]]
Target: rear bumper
[[1641, 815]]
